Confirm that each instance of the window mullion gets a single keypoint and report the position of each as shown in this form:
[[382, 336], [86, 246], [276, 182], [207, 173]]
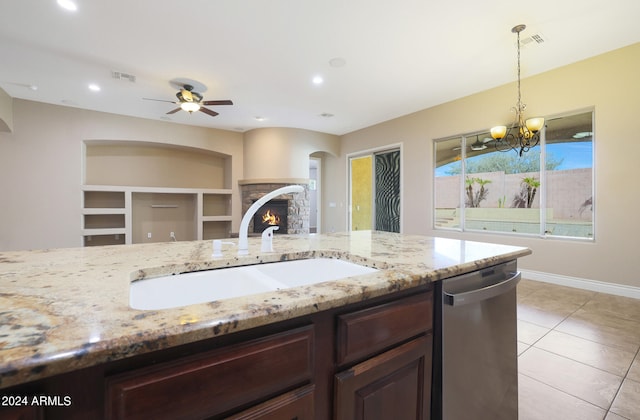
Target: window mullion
[[463, 176], [543, 181]]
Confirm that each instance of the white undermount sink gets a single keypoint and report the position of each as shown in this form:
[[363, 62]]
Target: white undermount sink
[[177, 290]]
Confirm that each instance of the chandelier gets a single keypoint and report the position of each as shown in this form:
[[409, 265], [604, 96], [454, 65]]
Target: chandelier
[[523, 134]]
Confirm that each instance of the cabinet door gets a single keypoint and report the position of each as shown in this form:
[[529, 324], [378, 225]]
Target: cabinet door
[[394, 385]]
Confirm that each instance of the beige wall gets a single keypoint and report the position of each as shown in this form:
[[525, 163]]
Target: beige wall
[[41, 167], [162, 221], [284, 152], [6, 112], [154, 165], [609, 83]]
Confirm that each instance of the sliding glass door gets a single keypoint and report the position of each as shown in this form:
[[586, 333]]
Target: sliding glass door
[[375, 191]]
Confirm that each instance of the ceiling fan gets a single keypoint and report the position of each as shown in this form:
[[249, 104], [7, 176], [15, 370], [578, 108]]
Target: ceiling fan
[[477, 145], [191, 101]]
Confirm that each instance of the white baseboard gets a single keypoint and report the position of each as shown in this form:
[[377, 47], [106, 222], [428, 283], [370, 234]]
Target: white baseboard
[[593, 285]]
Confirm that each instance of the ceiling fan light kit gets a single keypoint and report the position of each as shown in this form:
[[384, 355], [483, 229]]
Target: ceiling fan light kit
[[523, 134], [190, 106]]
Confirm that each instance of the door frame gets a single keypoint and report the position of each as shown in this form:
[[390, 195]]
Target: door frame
[[318, 192], [374, 151]]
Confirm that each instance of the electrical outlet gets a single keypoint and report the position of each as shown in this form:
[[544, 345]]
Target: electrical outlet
[[149, 235]]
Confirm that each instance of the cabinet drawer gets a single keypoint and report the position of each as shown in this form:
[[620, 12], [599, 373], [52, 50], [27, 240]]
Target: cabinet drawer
[[371, 330], [214, 382], [297, 404]]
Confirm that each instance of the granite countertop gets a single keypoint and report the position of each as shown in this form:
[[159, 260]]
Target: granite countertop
[[66, 309]]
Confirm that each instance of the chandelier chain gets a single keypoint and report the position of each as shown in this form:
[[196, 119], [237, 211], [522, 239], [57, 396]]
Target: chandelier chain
[[520, 108]]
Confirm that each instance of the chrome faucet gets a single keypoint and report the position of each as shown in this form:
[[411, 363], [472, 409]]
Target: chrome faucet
[[243, 243]]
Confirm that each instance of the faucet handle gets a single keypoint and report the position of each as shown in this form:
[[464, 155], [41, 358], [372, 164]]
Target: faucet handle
[[217, 247], [267, 239]]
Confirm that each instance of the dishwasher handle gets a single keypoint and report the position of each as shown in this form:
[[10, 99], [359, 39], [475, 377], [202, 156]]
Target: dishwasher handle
[[473, 296]]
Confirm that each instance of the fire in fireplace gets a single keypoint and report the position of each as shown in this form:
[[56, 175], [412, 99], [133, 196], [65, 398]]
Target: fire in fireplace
[[273, 213]]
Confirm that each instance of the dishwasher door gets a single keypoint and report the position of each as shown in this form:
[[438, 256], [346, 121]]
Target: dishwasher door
[[478, 343]]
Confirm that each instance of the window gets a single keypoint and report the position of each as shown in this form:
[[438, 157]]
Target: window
[[478, 188]]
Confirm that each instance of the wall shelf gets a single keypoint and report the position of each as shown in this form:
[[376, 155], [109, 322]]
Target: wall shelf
[[97, 211], [216, 218], [107, 212], [103, 231]]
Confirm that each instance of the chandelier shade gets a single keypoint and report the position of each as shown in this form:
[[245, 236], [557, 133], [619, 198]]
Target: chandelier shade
[[523, 134]]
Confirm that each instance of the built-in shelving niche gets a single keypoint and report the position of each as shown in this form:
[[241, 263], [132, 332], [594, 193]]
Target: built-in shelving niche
[[138, 192]]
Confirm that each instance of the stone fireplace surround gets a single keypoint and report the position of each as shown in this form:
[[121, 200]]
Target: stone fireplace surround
[[298, 211]]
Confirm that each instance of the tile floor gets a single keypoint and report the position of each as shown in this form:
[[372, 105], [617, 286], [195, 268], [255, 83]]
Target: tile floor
[[578, 354]]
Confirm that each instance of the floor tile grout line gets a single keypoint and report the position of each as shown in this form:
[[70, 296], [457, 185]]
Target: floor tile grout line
[[564, 392], [593, 297], [538, 325], [626, 375], [594, 342], [598, 342], [564, 319], [616, 396], [606, 315], [582, 363]]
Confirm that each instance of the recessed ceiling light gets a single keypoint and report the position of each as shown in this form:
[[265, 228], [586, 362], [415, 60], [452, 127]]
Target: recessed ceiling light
[[317, 80], [94, 88], [260, 118], [326, 115], [68, 5], [337, 62]]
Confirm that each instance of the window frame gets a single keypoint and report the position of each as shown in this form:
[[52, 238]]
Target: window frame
[[468, 138]]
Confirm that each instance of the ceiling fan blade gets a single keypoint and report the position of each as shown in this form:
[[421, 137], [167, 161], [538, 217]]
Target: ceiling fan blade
[[220, 102], [159, 100], [208, 111], [174, 111]]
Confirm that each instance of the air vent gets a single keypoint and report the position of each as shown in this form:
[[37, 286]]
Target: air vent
[[538, 38], [532, 40], [118, 75]]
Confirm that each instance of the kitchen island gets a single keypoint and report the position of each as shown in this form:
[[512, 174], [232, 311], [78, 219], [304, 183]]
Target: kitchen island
[[66, 318]]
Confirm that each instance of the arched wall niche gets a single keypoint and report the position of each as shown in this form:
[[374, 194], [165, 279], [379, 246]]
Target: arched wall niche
[[152, 164]]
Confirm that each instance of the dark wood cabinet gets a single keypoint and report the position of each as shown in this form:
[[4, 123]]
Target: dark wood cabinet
[[367, 360], [368, 331], [215, 382], [294, 405], [21, 413], [394, 385]]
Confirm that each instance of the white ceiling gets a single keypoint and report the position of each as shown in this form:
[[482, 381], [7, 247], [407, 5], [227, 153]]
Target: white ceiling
[[400, 56]]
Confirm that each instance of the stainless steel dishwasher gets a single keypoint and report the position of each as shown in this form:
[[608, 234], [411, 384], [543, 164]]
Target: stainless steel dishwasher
[[475, 345]]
